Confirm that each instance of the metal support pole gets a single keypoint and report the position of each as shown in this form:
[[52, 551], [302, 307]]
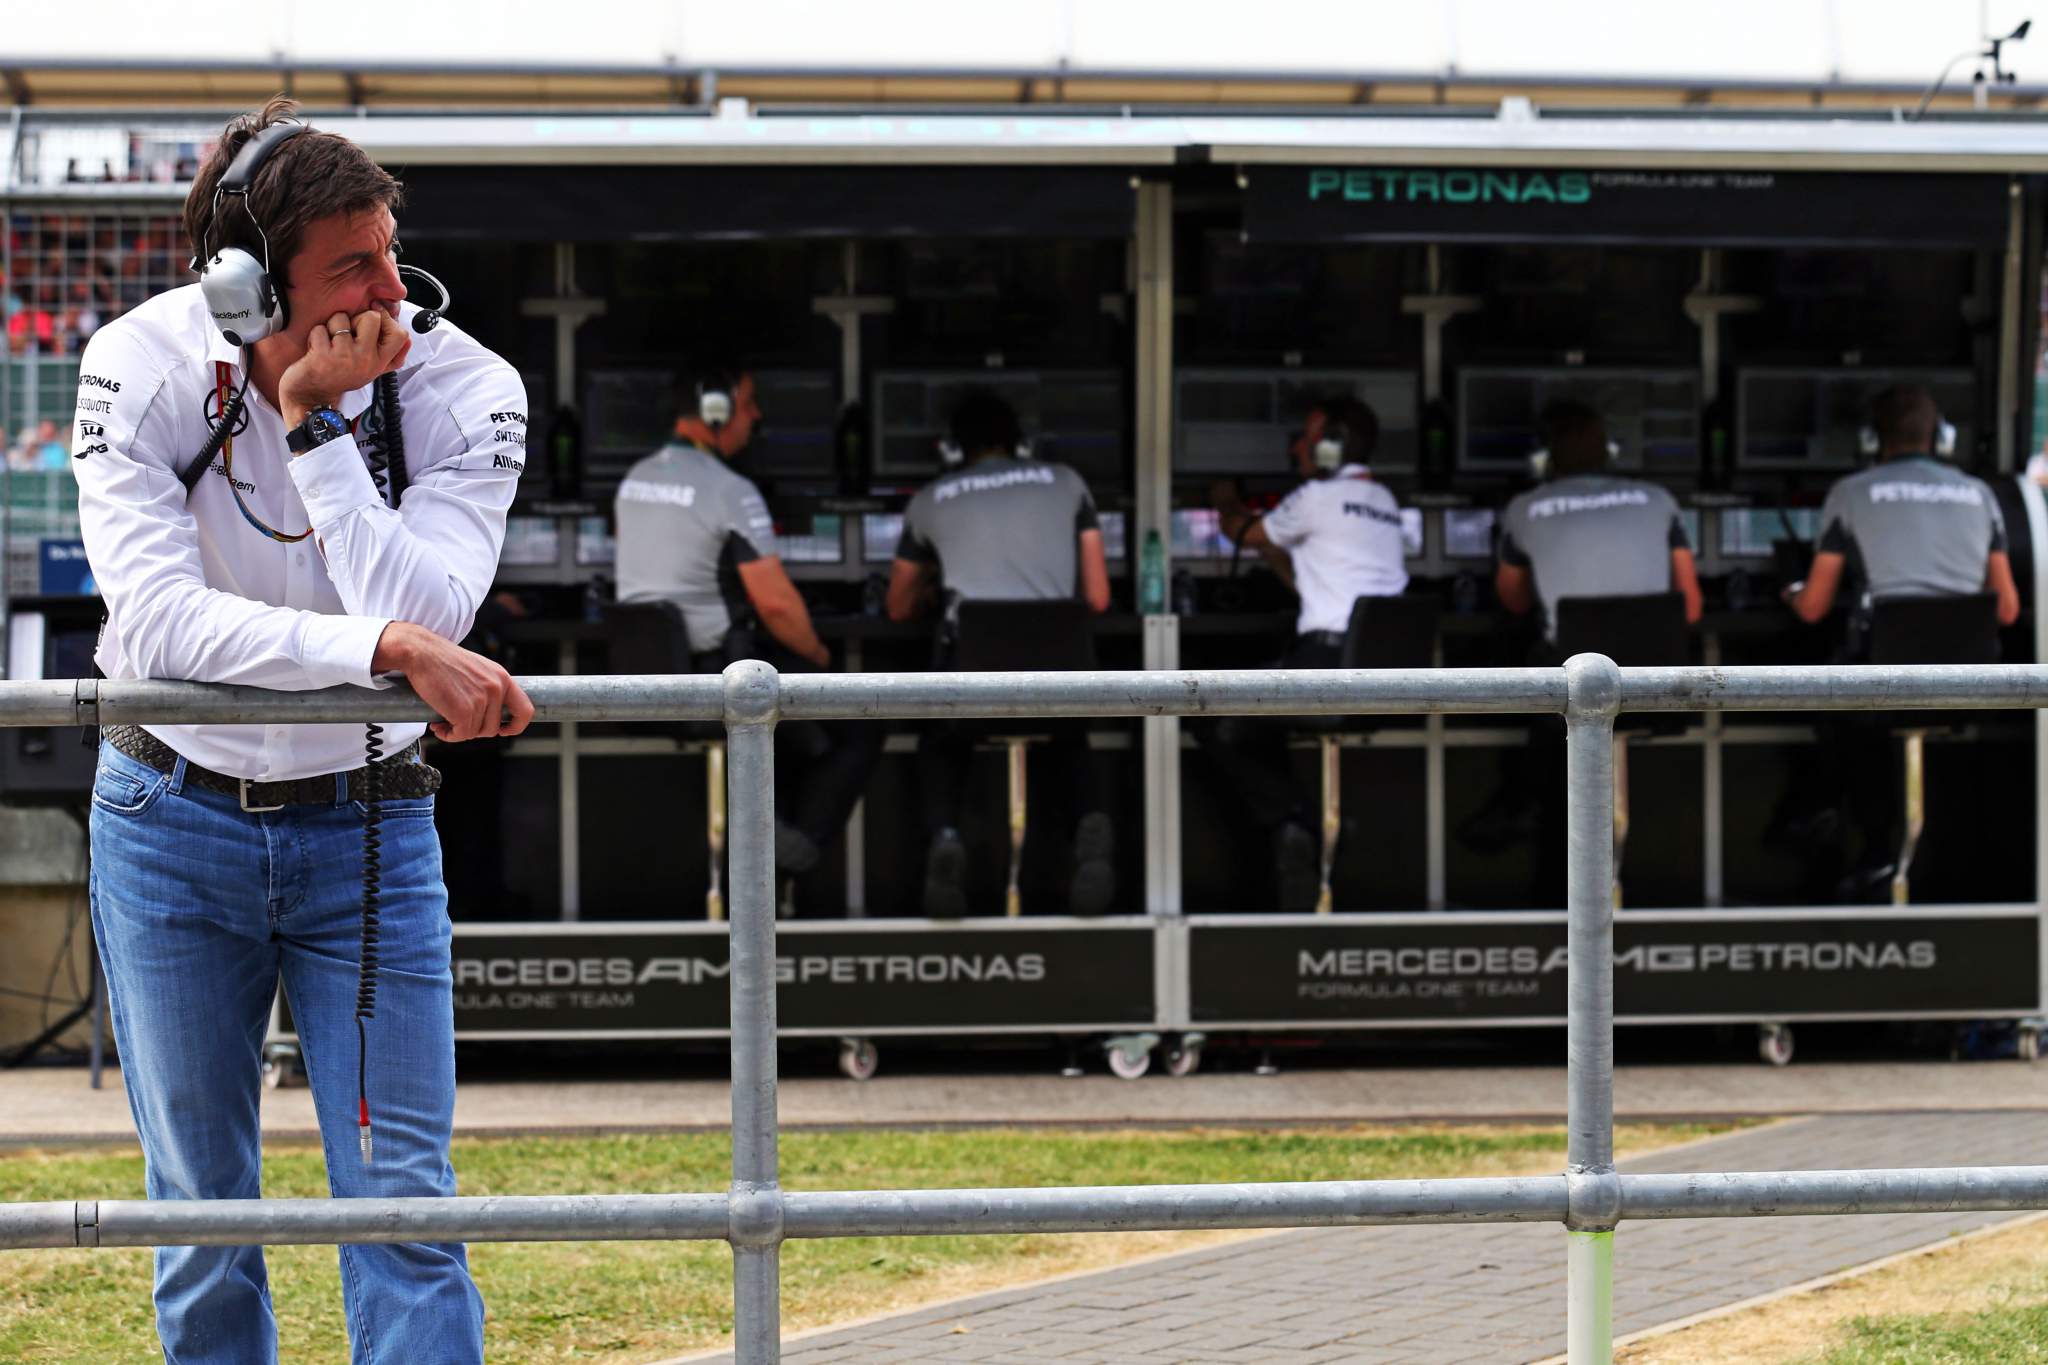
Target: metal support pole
[[714, 832], [1916, 815], [1332, 756], [752, 699], [1592, 1189], [1013, 895]]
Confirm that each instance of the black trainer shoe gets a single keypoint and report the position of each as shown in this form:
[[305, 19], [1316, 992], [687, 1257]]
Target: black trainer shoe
[[1094, 884], [1299, 877], [945, 877]]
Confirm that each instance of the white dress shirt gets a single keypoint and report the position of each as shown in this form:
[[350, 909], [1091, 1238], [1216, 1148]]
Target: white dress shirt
[[1344, 535], [194, 591]]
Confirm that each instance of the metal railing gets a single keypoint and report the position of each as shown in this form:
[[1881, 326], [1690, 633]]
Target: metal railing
[[756, 1215]]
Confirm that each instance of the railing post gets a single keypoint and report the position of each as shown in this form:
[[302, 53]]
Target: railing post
[[1592, 1189], [753, 695]]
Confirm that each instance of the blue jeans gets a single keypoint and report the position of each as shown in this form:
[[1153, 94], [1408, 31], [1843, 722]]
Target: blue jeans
[[200, 909]]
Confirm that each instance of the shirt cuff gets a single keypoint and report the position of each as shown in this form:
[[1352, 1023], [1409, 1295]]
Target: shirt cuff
[[340, 649], [333, 481]]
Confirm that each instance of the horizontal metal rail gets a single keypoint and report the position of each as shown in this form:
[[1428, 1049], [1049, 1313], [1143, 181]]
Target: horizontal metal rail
[[756, 1215], [925, 696]]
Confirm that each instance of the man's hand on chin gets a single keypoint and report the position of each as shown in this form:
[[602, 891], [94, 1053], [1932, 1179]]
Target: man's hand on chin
[[475, 698]]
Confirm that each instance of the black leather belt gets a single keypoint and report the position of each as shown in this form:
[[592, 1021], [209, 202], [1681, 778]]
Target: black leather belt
[[1333, 638], [399, 777]]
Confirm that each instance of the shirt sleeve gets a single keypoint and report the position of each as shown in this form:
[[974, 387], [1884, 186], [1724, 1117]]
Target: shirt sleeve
[[143, 546], [1677, 539], [1288, 525], [1999, 544], [749, 526], [914, 544], [1511, 551], [1085, 518], [433, 559], [1837, 534]]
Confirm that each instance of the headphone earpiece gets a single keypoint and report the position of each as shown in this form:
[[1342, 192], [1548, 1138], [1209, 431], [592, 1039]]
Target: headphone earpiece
[[1944, 438], [1867, 443], [950, 453], [1539, 463], [1024, 449], [714, 407], [240, 298]]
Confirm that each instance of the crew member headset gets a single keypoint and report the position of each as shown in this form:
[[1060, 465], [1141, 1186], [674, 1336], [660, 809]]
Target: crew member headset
[[245, 304]]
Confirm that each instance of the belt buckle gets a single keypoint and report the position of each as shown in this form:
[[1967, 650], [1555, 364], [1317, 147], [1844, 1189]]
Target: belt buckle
[[254, 810]]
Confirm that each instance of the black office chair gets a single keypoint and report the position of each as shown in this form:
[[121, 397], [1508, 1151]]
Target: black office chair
[[650, 637], [1022, 637], [1927, 630], [1644, 631], [1384, 632]]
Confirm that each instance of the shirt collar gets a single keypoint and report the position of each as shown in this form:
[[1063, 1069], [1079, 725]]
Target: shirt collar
[[1351, 471]]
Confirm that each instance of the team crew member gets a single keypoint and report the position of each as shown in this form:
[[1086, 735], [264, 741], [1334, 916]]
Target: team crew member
[[1583, 533], [1909, 526], [228, 856], [1587, 533], [693, 531], [1337, 538], [1914, 525], [1003, 529]]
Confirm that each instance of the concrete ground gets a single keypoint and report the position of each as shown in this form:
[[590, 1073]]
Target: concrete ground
[[55, 1105]]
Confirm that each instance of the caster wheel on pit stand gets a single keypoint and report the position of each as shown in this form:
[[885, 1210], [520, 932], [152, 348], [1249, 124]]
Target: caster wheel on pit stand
[[1130, 1055], [1774, 1044], [280, 1066], [1184, 1054], [2029, 1041], [858, 1059]]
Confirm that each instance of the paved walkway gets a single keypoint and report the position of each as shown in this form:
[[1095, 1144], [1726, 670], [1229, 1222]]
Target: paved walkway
[[55, 1105], [1450, 1294]]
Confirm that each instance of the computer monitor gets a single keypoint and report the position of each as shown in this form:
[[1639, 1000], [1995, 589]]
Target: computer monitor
[[880, 534], [799, 425], [626, 411], [1240, 422], [531, 542], [1749, 532], [1468, 532], [1652, 415], [1076, 417], [1789, 420]]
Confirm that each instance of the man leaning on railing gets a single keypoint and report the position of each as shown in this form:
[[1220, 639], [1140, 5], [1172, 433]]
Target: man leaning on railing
[[248, 538]]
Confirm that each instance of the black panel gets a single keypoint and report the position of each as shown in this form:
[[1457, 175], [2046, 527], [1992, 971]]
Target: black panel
[[673, 203]]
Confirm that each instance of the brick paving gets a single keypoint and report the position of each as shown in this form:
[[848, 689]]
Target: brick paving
[[1450, 1294]]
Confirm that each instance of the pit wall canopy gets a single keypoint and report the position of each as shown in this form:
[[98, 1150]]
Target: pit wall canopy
[[1697, 207], [694, 203]]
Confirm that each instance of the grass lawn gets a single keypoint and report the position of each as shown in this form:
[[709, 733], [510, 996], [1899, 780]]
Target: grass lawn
[[626, 1302], [1980, 1301]]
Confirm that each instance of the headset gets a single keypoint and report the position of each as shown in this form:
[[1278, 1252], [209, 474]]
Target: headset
[[1539, 459], [241, 296], [953, 454], [1869, 445]]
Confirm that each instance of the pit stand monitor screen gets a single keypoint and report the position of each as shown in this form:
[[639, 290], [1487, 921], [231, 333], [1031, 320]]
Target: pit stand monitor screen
[[1242, 421], [1811, 419], [799, 423], [1653, 416], [1076, 417]]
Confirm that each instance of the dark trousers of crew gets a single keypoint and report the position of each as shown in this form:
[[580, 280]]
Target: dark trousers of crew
[[820, 769]]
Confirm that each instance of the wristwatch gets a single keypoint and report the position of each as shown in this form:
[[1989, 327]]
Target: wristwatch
[[321, 426]]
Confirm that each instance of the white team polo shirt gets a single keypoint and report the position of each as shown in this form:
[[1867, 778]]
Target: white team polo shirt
[[1344, 535], [193, 591]]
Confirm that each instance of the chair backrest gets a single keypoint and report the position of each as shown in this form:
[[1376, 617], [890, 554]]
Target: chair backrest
[[1391, 632], [1645, 631], [1935, 630], [1024, 637], [647, 637]]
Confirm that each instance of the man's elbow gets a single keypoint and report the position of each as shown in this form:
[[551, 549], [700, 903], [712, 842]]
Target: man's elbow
[[1098, 599], [2008, 608], [901, 606]]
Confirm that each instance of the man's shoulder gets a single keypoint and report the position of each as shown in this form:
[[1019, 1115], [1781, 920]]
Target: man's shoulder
[[162, 333], [465, 372]]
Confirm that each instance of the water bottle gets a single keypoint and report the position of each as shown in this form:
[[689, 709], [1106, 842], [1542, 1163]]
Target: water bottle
[[1152, 576]]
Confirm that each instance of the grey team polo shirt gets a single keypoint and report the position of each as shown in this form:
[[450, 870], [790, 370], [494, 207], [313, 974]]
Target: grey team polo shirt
[[1915, 527], [686, 522], [1593, 535], [1001, 530]]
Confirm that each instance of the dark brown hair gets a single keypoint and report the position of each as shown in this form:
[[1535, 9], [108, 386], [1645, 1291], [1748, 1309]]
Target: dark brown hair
[[1905, 416], [313, 176], [1576, 437]]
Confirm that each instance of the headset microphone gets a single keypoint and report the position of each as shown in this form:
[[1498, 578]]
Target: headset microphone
[[427, 319]]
